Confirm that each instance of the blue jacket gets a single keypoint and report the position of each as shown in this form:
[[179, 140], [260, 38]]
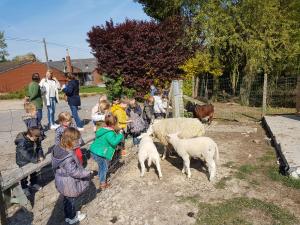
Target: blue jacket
[[72, 92]]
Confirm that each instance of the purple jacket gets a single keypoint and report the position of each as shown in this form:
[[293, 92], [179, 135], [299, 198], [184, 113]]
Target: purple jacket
[[71, 179]]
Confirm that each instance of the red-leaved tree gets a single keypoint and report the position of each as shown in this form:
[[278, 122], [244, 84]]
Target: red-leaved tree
[[139, 51]]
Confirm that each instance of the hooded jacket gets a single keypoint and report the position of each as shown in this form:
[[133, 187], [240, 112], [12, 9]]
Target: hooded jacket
[[27, 151], [71, 179], [120, 113], [72, 92], [106, 142]]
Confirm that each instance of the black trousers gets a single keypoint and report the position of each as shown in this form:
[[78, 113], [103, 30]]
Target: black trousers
[[33, 180]]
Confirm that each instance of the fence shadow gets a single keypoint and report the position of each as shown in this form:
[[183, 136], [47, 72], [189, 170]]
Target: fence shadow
[[21, 217], [57, 215]]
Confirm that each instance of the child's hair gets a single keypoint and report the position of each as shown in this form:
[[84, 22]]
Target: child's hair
[[34, 132], [104, 106], [102, 97], [69, 136], [29, 107], [110, 120], [116, 100], [64, 117], [150, 99]]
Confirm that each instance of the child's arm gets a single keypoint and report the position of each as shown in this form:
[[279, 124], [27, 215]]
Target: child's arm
[[75, 171], [114, 139], [58, 133], [68, 90]]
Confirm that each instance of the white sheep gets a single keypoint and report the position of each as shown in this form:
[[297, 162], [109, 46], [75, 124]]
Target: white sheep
[[200, 147], [187, 128], [147, 150]]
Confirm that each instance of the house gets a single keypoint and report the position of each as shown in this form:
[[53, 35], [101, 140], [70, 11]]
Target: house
[[84, 69], [15, 76]]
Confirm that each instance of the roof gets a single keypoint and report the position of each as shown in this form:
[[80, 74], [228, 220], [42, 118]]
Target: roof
[[5, 66], [84, 65]]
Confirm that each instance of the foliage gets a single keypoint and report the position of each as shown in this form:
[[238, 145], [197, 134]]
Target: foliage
[[232, 211], [27, 57], [274, 174], [115, 88], [3, 45], [92, 89], [140, 51], [15, 95]]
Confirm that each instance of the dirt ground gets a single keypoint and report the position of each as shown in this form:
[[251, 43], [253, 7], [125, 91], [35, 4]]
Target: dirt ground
[[247, 189], [243, 192]]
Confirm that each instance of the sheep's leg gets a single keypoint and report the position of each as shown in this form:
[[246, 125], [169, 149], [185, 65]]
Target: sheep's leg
[[142, 163], [211, 169], [183, 168], [187, 165], [158, 168]]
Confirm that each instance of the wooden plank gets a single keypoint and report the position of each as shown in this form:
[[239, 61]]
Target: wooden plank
[[3, 213], [11, 177]]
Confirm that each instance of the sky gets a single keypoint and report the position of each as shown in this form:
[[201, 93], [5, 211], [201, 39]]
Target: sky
[[63, 22]]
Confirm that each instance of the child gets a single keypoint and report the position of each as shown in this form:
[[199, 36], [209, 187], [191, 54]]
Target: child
[[96, 116], [104, 146], [159, 111], [29, 150], [148, 112], [137, 124], [103, 109], [65, 121], [71, 179], [30, 118], [118, 110]]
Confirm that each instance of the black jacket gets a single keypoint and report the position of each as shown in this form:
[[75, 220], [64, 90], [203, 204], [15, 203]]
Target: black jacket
[[72, 92], [27, 151]]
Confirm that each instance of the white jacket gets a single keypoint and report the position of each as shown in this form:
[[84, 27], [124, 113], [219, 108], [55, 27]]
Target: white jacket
[[44, 85], [96, 115], [158, 105]]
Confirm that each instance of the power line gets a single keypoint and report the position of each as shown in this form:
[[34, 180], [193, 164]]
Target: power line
[[48, 43]]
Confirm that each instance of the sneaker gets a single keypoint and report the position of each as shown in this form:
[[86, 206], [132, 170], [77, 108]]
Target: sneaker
[[36, 187], [80, 128], [79, 217], [54, 126], [26, 192]]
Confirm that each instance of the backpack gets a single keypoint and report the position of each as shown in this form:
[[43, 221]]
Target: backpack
[[137, 124]]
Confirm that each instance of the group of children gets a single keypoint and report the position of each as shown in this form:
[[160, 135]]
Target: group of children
[[112, 124]]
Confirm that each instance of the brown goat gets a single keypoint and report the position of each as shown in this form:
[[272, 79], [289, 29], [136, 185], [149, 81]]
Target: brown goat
[[201, 111]]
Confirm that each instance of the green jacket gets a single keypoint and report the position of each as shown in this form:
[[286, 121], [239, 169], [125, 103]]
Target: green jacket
[[35, 95], [106, 142]]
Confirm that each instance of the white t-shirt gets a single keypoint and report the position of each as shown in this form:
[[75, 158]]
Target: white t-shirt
[[52, 88]]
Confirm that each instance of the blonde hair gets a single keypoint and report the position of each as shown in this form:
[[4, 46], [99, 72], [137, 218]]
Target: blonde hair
[[102, 97], [104, 106], [68, 138], [29, 107], [110, 120], [64, 117]]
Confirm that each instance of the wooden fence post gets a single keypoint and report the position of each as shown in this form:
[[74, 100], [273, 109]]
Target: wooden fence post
[[264, 102], [2, 204]]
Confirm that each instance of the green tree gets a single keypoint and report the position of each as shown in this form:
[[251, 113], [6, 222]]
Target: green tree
[[3, 45]]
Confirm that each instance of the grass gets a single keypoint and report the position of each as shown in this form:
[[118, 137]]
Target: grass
[[92, 89], [245, 170], [222, 183], [274, 175], [14, 95], [234, 211]]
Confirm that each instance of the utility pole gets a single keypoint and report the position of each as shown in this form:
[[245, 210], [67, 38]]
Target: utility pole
[[46, 53]]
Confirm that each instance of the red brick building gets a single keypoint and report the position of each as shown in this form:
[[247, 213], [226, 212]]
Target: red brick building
[[15, 76]]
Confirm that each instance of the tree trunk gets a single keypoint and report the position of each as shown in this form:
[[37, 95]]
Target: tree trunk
[[298, 95], [193, 87], [197, 86], [245, 89]]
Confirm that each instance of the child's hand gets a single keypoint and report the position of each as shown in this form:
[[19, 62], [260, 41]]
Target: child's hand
[[41, 159], [129, 121]]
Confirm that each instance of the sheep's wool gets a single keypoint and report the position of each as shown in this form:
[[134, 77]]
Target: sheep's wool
[[188, 128]]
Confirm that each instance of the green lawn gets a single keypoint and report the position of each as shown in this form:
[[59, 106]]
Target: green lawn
[[92, 89]]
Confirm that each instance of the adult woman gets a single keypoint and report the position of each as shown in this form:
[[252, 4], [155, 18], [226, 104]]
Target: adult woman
[[72, 92], [50, 86]]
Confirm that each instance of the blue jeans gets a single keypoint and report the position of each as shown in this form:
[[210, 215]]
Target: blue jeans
[[103, 167], [39, 115], [51, 110], [69, 207], [74, 110]]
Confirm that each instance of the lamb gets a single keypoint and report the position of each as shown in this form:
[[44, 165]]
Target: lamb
[[188, 128], [199, 147], [147, 150]]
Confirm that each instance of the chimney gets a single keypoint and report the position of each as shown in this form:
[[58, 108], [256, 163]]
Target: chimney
[[68, 63]]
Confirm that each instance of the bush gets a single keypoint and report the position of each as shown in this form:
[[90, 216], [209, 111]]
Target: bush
[[14, 95]]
